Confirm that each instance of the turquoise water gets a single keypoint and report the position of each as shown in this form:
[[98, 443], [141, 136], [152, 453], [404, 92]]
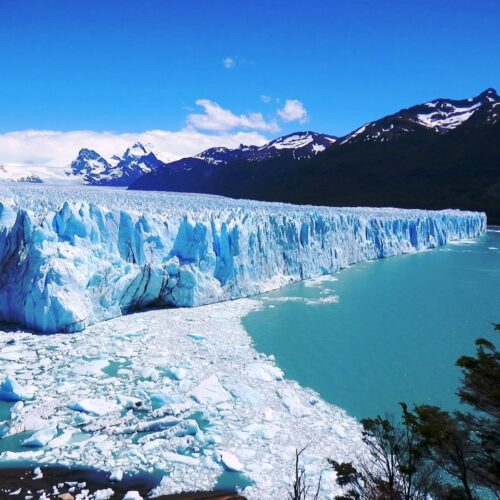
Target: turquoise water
[[397, 329], [5, 407]]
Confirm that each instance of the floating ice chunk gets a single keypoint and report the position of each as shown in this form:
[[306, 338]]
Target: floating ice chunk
[[231, 461], [27, 423], [129, 402], [179, 372], [463, 242], [245, 393], [318, 282], [264, 372], [210, 392], [156, 425], [116, 475], [190, 428], [266, 431], [132, 495], [41, 438], [61, 440], [92, 367], [293, 403], [148, 373], [16, 353], [159, 400], [330, 299], [94, 406], [37, 473], [103, 494], [21, 456], [11, 390], [180, 459]]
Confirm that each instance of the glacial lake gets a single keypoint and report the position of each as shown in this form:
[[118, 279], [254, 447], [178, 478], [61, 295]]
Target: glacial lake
[[396, 331]]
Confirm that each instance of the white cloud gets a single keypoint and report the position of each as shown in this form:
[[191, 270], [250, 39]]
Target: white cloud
[[44, 148], [229, 62], [216, 118], [266, 99], [48, 152], [293, 111]]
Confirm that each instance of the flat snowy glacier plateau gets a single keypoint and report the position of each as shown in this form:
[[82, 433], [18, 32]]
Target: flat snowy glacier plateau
[[71, 258]]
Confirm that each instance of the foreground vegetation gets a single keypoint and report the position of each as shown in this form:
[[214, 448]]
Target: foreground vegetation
[[430, 452]]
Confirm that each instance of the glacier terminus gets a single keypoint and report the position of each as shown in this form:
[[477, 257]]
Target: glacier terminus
[[73, 257]]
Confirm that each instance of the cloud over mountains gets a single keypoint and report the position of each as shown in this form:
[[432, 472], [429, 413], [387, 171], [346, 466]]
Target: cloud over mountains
[[212, 126]]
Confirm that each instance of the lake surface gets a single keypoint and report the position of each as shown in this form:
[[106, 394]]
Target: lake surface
[[396, 331]]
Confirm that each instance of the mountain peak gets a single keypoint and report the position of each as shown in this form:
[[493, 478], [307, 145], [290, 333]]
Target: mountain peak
[[301, 140], [491, 92], [440, 116], [88, 153], [137, 149], [137, 160]]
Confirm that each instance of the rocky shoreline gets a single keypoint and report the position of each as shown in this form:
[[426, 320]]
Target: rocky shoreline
[[59, 483]]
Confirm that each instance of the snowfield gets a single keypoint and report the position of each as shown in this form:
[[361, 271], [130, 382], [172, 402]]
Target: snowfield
[[73, 257], [181, 392]]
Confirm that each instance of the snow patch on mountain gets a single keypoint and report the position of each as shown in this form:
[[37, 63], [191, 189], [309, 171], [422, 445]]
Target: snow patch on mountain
[[304, 144], [440, 116], [94, 170], [444, 115]]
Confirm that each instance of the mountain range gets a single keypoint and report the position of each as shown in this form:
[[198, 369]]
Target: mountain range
[[95, 170], [139, 160], [441, 154]]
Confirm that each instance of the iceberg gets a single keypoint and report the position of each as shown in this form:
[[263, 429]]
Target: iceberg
[[94, 406], [77, 256], [41, 438], [231, 461], [210, 392], [11, 390]]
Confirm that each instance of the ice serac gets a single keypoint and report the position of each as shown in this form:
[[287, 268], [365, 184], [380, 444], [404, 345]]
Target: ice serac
[[71, 258]]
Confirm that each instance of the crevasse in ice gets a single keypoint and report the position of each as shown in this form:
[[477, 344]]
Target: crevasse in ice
[[74, 257]]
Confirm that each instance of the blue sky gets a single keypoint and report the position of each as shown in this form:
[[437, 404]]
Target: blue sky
[[132, 66]]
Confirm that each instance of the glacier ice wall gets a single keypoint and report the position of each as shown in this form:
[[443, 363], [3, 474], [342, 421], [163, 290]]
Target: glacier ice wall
[[71, 258]]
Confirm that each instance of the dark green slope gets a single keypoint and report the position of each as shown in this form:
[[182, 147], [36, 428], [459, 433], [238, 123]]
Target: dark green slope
[[460, 169], [442, 154], [423, 170]]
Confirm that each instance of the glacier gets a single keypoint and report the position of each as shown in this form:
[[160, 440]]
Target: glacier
[[72, 257]]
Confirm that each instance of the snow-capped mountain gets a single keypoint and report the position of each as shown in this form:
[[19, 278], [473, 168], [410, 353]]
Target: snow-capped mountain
[[138, 160], [89, 165], [95, 170], [440, 154], [440, 116], [297, 146], [301, 145]]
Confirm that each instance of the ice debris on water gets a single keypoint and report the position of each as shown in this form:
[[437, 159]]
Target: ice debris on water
[[232, 412], [132, 495]]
